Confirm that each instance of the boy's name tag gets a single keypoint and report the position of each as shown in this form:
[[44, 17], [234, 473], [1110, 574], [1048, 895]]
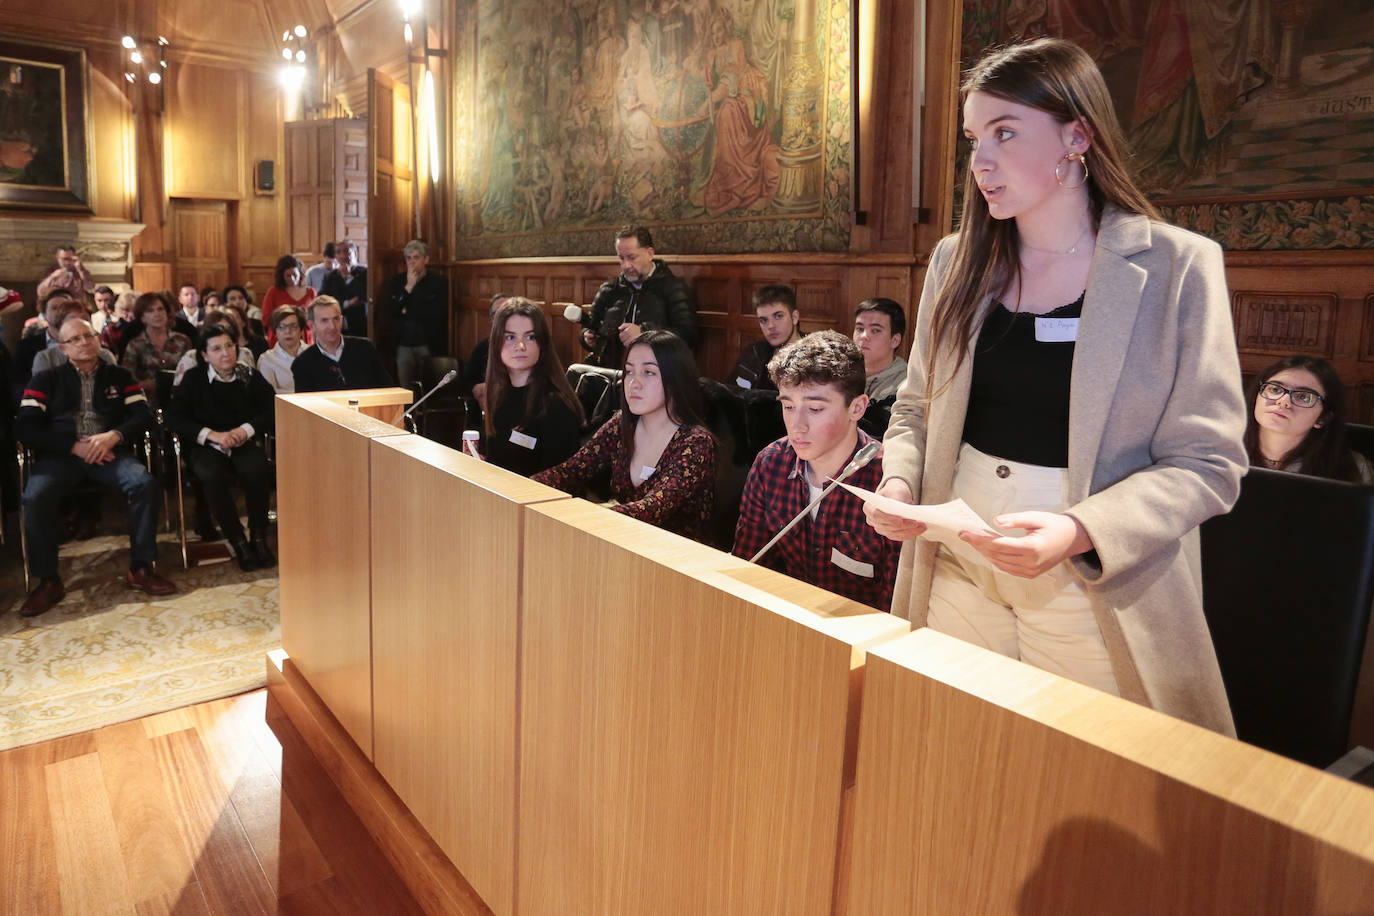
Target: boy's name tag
[[743, 382], [1056, 330], [850, 565], [523, 440]]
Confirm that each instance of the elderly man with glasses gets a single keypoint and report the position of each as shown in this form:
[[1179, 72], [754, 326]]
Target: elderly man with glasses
[[81, 419]]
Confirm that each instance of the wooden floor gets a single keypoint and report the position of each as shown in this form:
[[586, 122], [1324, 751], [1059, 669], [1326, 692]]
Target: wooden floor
[[199, 810]]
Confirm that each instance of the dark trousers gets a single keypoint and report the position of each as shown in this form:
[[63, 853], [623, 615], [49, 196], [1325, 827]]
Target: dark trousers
[[54, 476], [215, 470]]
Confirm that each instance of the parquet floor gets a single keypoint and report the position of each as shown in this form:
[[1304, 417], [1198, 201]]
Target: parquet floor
[[205, 809]]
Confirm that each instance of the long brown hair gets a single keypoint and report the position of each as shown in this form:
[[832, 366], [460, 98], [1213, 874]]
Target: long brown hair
[[677, 370], [1059, 78], [547, 380], [1323, 451]]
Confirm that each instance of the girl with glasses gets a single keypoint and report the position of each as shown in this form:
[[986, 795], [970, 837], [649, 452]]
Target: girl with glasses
[[1075, 380], [1298, 422]]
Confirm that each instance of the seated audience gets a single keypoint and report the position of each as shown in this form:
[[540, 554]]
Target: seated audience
[[210, 298], [776, 309], [104, 307], [336, 362], [57, 307], [255, 342], [879, 325], [1298, 422], [81, 420], [820, 383], [288, 325], [188, 298], [121, 327], [656, 450], [230, 318], [288, 288], [220, 409], [239, 298], [536, 420], [156, 347], [475, 369], [54, 308]]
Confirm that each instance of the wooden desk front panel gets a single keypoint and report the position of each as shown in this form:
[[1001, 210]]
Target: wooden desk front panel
[[987, 786], [324, 519], [682, 747], [445, 626]]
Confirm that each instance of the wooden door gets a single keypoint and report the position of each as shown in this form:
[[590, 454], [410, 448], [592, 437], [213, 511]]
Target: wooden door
[[309, 184], [390, 163], [201, 242]]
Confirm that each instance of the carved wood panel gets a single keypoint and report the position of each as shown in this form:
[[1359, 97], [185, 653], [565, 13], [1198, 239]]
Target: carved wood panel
[[1367, 330], [1283, 323]]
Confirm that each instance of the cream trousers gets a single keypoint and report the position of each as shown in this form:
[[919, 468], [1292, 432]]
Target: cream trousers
[[1047, 621]]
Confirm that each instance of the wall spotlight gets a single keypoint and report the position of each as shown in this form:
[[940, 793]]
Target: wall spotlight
[[128, 42], [154, 77]]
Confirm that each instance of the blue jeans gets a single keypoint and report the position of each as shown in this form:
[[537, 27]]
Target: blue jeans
[[54, 476]]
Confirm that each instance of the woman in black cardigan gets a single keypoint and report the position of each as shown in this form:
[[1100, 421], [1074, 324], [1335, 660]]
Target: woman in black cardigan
[[220, 409]]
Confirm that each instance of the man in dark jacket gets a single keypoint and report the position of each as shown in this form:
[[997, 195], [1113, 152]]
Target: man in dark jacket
[[347, 282], [418, 306], [81, 420], [336, 362], [646, 296]]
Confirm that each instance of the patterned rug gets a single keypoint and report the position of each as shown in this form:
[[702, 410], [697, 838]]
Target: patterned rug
[[107, 654]]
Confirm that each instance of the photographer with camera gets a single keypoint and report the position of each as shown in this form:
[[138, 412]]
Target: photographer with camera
[[645, 296]]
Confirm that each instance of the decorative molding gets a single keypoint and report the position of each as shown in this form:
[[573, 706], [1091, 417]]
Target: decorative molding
[[1366, 353], [1283, 323], [27, 246]]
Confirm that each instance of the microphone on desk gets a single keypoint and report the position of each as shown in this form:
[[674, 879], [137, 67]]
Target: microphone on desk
[[862, 457], [449, 376]]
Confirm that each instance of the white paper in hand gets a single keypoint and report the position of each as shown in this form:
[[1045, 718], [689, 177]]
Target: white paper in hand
[[943, 522]]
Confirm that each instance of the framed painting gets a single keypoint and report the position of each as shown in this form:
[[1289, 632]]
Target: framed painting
[[43, 147]]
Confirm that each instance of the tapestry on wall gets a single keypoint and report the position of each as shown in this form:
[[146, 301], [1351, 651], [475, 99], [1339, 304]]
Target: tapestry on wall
[[1251, 121], [724, 125]]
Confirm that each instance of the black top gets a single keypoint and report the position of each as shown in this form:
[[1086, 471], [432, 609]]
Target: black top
[[663, 302], [420, 316], [752, 367], [199, 402], [556, 432], [1018, 407], [360, 367]]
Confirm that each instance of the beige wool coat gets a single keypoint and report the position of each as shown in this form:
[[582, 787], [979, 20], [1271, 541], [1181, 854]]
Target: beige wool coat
[[1156, 416]]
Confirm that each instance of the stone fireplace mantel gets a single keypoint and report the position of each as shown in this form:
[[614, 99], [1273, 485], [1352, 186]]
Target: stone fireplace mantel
[[28, 246]]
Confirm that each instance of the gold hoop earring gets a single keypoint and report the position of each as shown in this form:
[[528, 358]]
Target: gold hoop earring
[[1060, 173]]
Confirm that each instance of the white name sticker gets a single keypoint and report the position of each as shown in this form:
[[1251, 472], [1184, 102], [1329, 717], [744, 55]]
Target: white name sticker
[[851, 565], [743, 382], [645, 472], [523, 440], [1056, 330]]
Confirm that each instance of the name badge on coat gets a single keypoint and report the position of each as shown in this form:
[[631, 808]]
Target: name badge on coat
[[523, 440], [851, 565], [1056, 330], [743, 382]]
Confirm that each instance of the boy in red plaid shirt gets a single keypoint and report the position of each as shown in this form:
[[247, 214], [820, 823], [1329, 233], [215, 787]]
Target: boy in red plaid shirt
[[820, 381]]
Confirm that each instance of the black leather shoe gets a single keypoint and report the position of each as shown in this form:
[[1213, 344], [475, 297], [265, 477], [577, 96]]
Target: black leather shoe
[[247, 557], [42, 598], [263, 554]]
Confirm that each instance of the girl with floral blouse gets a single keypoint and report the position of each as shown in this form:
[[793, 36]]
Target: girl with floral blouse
[[660, 457]]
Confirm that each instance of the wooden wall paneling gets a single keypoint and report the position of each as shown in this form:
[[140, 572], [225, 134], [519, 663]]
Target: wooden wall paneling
[[325, 552], [445, 633], [347, 208], [889, 145], [1316, 303], [682, 735], [262, 216], [206, 122], [200, 240], [152, 276], [939, 123], [988, 786], [113, 148]]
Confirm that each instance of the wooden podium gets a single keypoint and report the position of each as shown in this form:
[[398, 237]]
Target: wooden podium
[[537, 706]]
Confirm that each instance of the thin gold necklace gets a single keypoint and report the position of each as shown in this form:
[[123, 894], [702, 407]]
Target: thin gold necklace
[[1073, 249]]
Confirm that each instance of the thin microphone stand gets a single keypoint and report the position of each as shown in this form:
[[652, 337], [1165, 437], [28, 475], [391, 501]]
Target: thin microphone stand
[[859, 461]]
